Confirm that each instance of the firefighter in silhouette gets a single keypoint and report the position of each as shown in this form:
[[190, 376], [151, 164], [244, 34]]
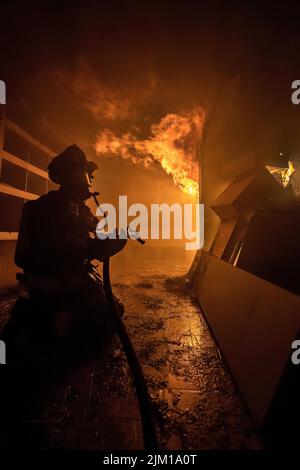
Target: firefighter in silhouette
[[56, 245]]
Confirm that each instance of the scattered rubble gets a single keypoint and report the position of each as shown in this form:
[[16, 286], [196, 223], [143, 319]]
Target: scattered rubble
[[92, 403]]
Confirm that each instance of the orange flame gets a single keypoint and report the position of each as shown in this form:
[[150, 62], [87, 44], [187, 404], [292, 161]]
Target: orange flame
[[173, 143], [283, 175]]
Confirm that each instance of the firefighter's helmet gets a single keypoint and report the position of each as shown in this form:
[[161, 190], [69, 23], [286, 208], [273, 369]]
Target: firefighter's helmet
[[69, 162]]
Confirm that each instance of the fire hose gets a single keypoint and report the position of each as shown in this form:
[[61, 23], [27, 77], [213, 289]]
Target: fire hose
[[140, 385]]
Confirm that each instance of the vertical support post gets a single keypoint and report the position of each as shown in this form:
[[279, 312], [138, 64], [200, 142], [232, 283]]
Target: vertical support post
[[2, 130]]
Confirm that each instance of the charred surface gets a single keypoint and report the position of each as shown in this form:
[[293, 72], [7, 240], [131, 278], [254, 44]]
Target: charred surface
[[83, 398]]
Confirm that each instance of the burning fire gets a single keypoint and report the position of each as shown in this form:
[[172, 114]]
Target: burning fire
[[172, 143], [283, 175]]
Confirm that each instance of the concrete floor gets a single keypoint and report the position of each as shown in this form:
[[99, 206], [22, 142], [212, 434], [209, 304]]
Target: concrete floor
[[89, 403]]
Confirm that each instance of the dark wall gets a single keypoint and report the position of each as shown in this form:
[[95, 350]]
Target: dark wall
[[251, 117]]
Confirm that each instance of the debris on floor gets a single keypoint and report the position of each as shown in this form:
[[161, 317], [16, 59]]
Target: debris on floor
[[91, 404]]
